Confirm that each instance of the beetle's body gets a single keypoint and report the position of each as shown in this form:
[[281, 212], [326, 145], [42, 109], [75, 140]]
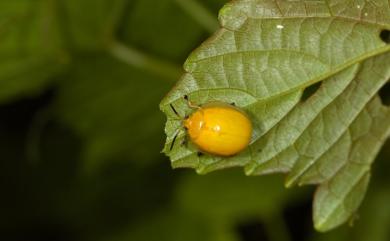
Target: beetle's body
[[219, 129]]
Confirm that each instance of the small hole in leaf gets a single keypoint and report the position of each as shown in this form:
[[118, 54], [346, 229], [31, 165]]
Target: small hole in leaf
[[385, 36], [252, 230], [384, 94], [310, 90]]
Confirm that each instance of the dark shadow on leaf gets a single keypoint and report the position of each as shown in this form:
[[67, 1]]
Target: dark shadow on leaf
[[310, 91], [384, 94], [385, 36]]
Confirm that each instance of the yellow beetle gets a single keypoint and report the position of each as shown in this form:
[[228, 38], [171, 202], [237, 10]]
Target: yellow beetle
[[218, 128]]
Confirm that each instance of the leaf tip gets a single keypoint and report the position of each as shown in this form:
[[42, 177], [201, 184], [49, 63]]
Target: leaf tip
[[321, 226], [324, 225], [249, 169], [201, 170]]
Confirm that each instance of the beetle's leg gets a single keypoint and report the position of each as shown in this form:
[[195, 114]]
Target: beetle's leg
[[199, 154], [174, 139], [175, 112], [173, 142]]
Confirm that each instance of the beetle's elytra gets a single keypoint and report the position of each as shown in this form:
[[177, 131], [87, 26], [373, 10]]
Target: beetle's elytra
[[219, 129]]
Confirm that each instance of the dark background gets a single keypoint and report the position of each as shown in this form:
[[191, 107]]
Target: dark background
[[81, 135]]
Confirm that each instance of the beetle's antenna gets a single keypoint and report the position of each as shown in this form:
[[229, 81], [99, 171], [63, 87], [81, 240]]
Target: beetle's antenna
[[174, 139], [176, 113], [190, 104], [174, 110]]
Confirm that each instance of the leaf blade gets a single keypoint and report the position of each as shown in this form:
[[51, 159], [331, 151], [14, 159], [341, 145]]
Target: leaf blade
[[269, 50]]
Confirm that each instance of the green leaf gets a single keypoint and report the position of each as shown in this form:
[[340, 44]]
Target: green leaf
[[263, 58], [30, 47]]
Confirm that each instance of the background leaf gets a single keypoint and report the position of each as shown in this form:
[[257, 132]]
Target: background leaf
[[30, 46]]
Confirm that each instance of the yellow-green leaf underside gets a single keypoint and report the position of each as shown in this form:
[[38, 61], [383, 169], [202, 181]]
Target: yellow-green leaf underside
[[262, 59]]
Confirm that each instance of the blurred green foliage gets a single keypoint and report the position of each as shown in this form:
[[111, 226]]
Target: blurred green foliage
[[81, 135]]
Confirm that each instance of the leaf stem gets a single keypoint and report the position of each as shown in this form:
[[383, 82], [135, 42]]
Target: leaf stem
[[141, 60], [200, 14]]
